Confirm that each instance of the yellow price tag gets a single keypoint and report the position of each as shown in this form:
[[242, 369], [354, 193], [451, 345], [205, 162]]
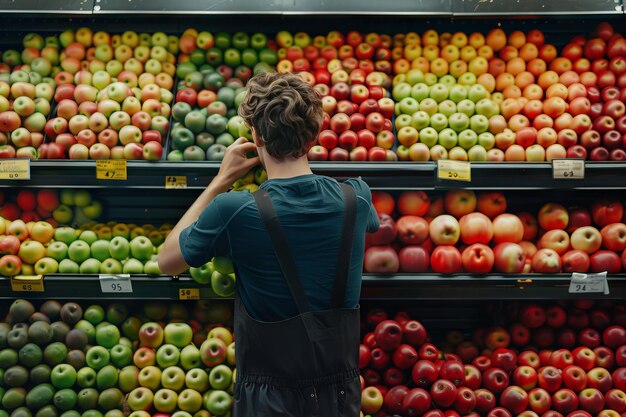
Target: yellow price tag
[[175, 181], [15, 169], [189, 294], [111, 169], [454, 170], [27, 283]]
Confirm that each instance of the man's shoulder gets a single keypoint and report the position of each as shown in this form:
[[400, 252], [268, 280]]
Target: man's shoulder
[[231, 201]]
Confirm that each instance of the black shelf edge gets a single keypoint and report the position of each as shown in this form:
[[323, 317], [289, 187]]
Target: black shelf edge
[[49, 7], [379, 175], [478, 287], [87, 287], [375, 287]]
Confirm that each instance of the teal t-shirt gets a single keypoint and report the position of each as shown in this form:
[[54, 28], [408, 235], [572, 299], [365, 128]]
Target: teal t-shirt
[[311, 211]]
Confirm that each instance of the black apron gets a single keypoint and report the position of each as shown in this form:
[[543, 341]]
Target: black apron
[[307, 365]]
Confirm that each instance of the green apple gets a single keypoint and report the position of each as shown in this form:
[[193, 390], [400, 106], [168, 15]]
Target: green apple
[[477, 92], [190, 400], [459, 122], [128, 379], [479, 123], [130, 328], [97, 357], [178, 334], [90, 266], [173, 378], [165, 400], [190, 357], [111, 266], [63, 214], [106, 377], [140, 399], [107, 336], [141, 248], [167, 355], [467, 139], [30, 355], [86, 377], [121, 355], [110, 398], [487, 140], [457, 93], [223, 265], [218, 402], [477, 153], [88, 236], [87, 328], [132, 266], [65, 399], [124, 341], [78, 251], [46, 265], [94, 314], [202, 275], [63, 376], [466, 106], [150, 377], [230, 354], [438, 122], [57, 250], [220, 377], [152, 267], [197, 379], [65, 234], [223, 284], [439, 92], [447, 108], [448, 138], [67, 266], [119, 247], [55, 353]]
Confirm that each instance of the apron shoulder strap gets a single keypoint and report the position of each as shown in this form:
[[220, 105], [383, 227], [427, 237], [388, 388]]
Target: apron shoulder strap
[[342, 269], [281, 248]]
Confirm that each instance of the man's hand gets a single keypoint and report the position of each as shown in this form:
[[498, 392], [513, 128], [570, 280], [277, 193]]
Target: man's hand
[[235, 163]]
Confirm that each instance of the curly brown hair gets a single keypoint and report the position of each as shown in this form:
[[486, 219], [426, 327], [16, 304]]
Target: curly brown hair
[[285, 112]]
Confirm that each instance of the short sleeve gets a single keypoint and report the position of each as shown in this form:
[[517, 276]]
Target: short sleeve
[[207, 237], [364, 194]]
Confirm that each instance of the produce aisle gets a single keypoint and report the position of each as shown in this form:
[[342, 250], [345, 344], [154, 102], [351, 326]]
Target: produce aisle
[[493, 139]]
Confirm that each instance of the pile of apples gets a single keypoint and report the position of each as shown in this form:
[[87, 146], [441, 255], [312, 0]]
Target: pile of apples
[[350, 72], [224, 55], [67, 207], [66, 359], [600, 62], [113, 96], [201, 129], [474, 233], [526, 371], [24, 107]]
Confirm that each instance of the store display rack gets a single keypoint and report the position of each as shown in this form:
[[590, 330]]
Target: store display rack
[[440, 8], [379, 175], [396, 287]]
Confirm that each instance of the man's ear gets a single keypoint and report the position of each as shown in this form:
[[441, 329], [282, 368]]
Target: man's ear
[[257, 140]]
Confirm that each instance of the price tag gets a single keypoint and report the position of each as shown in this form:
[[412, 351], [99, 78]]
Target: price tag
[[15, 169], [568, 169], [27, 283], [110, 283], [454, 170], [175, 181], [189, 294], [111, 169], [589, 283]]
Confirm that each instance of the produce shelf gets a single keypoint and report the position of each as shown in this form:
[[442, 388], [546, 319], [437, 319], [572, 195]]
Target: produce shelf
[[427, 286], [473, 8], [87, 287], [187, 7], [379, 175], [47, 7], [368, 7], [488, 287]]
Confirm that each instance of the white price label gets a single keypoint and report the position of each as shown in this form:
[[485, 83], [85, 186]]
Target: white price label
[[568, 169], [589, 283], [115, 283]]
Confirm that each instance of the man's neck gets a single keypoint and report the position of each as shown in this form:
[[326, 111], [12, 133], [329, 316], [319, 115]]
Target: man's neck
[[287, 168]]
